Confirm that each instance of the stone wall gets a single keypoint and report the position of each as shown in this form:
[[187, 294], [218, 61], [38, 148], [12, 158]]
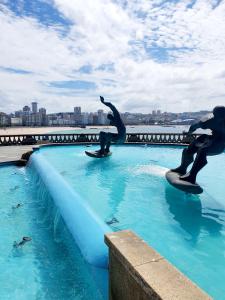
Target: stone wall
[[138, 272]]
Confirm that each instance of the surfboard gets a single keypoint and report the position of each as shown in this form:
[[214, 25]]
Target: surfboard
[[96, 154], [174, 179]]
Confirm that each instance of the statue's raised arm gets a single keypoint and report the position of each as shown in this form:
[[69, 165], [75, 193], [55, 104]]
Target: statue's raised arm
[[111, 106]]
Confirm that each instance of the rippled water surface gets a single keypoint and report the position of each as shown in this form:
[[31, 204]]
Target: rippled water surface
[[49, 266], [129, 190]]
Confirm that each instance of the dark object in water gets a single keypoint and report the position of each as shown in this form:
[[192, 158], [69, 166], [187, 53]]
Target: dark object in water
[[112, 221], [14, 188], [17, 206], [21, 243]]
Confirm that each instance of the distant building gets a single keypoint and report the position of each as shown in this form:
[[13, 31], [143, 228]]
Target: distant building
[[42, 111], [26, 109], [77, 110], [84, 118], [43, 116], [18, 114], [101, 117], [4, 119], [16, 121], [90, 118], [34, 107], [77, 115], [95, 119]]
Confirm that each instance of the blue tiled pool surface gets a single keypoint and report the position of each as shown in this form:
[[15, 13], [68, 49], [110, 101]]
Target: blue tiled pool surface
[[128, 191]]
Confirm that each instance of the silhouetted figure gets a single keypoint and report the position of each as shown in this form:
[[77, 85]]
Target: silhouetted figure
[[204, 145], [107, 137], [21, 243]]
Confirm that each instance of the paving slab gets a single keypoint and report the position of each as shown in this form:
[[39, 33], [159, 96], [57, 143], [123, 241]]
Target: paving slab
[[13, 153]]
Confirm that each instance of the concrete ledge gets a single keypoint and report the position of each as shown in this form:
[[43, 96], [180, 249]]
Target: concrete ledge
[[136, 271]]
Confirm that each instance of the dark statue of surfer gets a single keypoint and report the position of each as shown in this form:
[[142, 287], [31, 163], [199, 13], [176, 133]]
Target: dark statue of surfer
[[205, 145], [106, 138]]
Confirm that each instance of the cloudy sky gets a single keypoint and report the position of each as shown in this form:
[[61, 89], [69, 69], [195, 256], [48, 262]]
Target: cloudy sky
[[140, 54]]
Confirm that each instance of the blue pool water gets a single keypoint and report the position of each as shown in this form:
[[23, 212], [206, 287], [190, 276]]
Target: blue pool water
[[50, 266], [128, 191]]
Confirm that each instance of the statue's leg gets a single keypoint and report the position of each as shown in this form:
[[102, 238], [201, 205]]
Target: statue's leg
[[111, 137], [102, 140], [199, 163], [186, 159], [107, 146], [188, 154]]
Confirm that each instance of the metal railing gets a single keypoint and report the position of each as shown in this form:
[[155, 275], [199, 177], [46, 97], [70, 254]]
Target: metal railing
[[148, 138]]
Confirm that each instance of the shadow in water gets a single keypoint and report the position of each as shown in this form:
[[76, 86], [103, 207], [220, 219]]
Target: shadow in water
[[113, 182], [192, 217]]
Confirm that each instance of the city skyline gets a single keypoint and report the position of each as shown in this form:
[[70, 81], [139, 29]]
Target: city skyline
[[29, 108], [140, 55], [35, 116]]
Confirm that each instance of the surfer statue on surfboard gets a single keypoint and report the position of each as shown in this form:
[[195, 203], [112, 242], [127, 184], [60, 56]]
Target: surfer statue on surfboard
[[205, 145], [106, 138]]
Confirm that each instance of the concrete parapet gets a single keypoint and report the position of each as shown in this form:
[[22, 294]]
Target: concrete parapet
[[138, 272]]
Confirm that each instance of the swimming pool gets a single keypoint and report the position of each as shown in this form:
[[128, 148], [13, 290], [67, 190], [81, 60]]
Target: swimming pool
[[50, 266], [128, 191]]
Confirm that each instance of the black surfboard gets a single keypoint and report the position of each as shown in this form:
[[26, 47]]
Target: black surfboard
[[174, 179], [96, 154]]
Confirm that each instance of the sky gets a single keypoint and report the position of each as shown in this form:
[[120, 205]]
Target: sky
[[139, 54]]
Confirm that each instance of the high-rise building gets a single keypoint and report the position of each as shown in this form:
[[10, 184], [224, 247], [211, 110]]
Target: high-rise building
[[77, 115], [43, 116], [95, 119], [34, 107], [90, 118], [77, 110], [42, 111], [101, 117], [84, 118]]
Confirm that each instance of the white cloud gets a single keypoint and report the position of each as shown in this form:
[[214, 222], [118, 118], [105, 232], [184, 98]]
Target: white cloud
[[122, 34]]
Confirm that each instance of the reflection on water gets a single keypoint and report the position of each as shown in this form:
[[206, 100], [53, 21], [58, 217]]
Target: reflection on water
[[188, 212], [114, 186]]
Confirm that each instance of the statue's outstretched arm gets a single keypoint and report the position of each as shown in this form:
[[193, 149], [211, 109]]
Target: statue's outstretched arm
[[202, 124], [194, 127]]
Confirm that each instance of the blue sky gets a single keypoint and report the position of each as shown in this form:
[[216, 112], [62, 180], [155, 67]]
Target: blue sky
[[142, 55]]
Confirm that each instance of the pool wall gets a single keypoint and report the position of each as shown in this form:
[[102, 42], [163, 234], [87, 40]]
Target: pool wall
[[137, 271]]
